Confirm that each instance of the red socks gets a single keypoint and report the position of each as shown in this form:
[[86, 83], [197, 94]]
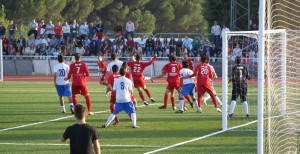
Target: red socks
[[148, 93], [74, 100], [173, 101], [88, 103], [166, 99], [142, 96]]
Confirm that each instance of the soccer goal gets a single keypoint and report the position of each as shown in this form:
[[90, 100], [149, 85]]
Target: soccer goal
[[274, 89]]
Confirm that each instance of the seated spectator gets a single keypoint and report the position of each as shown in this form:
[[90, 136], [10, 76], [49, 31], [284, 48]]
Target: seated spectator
[[165, 44], [57, 51], [246, 58], [80, 49], [234, 42], [172, 45], [142, 43], [46, 41], [237, 51], [130, 45], [196, 46], [251, 54], [246, 43], [202, 49], [30, 41], [5, 49], [107, 46], [149, 46], [179, 48], [187, 44], [43, 50], [157, 46], [38, 41], [116, 44], [5, 40], [213, 50], [214, 58], [197, 58], [19, 49], [37, 51], [12, 50], [94, 49], [122, 45], [206, 44], [26, 50], [53, 42]]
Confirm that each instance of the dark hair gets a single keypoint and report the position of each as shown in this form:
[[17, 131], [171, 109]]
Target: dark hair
[[203, 58], [115, 68], [60, 58], [124, 65], [138, 57], [207, 60], [172, 58], [113, 56], [185, 64], [238, 60], [77, 56], [79, 111], [122, 71]]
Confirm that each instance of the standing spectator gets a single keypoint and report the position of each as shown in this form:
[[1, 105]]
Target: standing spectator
[[58, 30], [66, 31], [172, 45], [129, 29], [63, 88], [165, 44], [224, 29], [187, 44], [179, 47], [12, 29], [84, 30], [74, 29], [157, 46], [123, 88], [149, 46], [91, 28], [82, 135], [79, 71], [216, 31], [49, 29], [42, 28], [239, 79], [119, 30], [99, 30], [33, 28], [2, 30], [196, 46]]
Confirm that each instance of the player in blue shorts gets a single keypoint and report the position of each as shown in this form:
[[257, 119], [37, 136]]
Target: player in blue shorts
[[123, 88], [188, 87], [61, 71]]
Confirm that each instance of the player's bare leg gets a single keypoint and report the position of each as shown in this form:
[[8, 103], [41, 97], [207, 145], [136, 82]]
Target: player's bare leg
[[62, 104], [213, 97], [148, 94], [173, 100]]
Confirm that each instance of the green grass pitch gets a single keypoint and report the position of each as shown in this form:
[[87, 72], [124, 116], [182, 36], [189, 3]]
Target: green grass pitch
[[25, 103]]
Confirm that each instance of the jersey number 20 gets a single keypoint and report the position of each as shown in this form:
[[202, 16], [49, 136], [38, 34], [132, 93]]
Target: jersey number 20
[[62, 72], [204, 70]]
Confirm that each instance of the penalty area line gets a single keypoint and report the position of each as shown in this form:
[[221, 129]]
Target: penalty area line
[[62, 144], [199, 138], [53, 120]]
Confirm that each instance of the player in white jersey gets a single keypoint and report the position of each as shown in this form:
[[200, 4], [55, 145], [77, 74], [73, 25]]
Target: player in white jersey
[[61, 71], [123, 88], [114, 61], [188, 87], [207, 96]]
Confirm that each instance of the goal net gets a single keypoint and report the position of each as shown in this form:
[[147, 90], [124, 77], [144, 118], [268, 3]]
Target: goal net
[[273, 94]]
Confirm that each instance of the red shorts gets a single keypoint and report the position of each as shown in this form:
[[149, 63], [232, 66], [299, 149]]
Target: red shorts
[[173, 85], [204, 88], [138, 83], [83, 90], [102, 78]]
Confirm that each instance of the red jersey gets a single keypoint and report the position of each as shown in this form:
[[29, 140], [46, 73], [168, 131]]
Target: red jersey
[[111, 79], [79, 71], [137, 68], [204, 74], [191, 64], [128, 75], [130, 43], [58, 29], [102, 65], [172, 70]]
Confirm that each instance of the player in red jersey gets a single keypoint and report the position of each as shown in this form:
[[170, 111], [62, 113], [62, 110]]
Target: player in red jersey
[[103, 68], [129, 76], [79, 71], [173, 78], [137, 68], [204, 74], [110, 83]]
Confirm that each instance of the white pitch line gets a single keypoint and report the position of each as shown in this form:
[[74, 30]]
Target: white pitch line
[[62, 144], [199, 138], [42, 122]]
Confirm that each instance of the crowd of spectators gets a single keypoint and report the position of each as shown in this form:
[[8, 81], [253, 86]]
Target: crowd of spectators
[[89, 40]]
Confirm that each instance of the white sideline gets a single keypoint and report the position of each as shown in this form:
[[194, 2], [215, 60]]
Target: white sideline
[[199, 138], [42, 122], [62, 144]]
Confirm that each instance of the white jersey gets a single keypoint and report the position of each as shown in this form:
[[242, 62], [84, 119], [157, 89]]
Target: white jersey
[[61, 71], [112, 63], [122, 85], [186, 72], [213, 71]]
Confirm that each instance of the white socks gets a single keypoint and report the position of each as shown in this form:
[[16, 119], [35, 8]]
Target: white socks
[[110, 119], [63, 108], [245, 107], [181, 102], [232, 106], [133, 119], [206, 96], [218, 100]]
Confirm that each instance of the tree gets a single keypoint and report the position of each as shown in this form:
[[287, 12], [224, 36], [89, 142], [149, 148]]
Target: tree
[[77, 9], [143, 21], [54, 8]]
